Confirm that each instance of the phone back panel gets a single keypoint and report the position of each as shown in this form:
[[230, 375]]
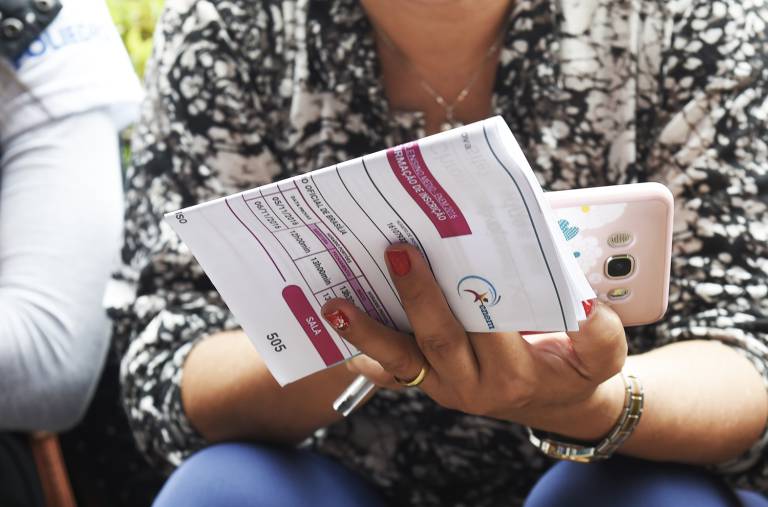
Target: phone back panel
[[614, 222]]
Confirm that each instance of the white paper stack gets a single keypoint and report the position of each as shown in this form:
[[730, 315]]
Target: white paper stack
[[466, 198]]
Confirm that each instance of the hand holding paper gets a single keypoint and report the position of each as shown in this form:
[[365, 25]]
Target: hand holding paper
[[554, 383]]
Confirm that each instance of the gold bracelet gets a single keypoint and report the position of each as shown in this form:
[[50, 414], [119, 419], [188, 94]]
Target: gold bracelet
[[628, 421]]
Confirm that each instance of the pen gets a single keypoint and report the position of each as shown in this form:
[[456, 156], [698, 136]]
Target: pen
[[353, 395]]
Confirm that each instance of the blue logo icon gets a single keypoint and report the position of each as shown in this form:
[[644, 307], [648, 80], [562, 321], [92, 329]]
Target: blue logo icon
[[482, 292]]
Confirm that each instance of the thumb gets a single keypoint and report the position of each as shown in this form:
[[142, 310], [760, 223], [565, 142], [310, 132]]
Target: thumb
[[600, 344]]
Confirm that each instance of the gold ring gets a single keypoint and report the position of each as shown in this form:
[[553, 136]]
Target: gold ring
[[416, 381]]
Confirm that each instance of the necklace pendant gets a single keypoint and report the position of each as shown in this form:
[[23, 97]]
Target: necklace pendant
[[450, 124]]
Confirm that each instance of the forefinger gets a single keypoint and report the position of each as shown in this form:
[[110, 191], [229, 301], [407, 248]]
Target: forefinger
[[441, 338]]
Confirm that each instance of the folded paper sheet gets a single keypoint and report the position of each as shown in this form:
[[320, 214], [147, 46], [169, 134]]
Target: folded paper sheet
[[467, 198]]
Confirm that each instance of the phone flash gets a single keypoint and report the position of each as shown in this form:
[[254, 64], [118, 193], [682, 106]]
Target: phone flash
[[619, 293]]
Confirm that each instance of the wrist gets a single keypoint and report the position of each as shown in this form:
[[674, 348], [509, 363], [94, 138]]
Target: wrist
[[591, 419]]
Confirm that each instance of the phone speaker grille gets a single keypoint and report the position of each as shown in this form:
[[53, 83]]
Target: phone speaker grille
[[619, 239]]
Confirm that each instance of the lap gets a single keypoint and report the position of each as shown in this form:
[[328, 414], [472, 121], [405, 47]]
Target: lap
[[250, 475], [247, 475], [635, 483]]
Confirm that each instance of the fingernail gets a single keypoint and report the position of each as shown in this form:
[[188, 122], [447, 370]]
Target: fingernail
[[399, 261], [337, 320], [589, 306]]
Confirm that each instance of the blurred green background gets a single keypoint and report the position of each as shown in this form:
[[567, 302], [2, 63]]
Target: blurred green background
[[135, 20]]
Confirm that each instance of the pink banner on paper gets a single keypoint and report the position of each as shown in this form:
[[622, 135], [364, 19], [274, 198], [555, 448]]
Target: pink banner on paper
[[412, 172], [312, 325]]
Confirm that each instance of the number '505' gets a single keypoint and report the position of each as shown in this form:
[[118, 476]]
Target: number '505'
[[276, 342]]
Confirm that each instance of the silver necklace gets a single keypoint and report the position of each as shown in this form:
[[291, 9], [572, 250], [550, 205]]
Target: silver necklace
[[450, 121]]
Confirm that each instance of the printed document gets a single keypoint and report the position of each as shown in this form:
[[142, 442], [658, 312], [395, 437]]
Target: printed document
[[466, 198]]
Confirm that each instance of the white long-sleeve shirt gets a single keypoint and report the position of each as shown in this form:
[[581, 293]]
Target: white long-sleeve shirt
[[60, 214], [60, 223]]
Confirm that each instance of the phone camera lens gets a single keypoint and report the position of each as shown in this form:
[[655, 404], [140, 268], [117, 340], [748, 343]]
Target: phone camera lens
[[619, 266]]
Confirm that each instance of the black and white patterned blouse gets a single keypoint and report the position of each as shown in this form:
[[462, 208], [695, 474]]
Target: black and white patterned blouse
[[244, 92]]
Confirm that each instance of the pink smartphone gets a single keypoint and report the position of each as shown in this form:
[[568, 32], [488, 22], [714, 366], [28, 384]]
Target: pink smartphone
[[621, 237]]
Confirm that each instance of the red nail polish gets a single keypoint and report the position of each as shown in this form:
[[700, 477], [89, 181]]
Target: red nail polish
[[589, 305], [399, 261], [337, 320]]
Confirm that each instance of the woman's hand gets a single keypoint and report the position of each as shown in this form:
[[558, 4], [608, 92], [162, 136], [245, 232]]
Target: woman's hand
[[564, 383]]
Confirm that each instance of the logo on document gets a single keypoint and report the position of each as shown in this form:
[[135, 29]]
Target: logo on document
[[482, 292]]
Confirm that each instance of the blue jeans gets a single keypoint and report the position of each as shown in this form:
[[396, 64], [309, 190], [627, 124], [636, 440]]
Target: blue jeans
[[246, 475], [630, 482]]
